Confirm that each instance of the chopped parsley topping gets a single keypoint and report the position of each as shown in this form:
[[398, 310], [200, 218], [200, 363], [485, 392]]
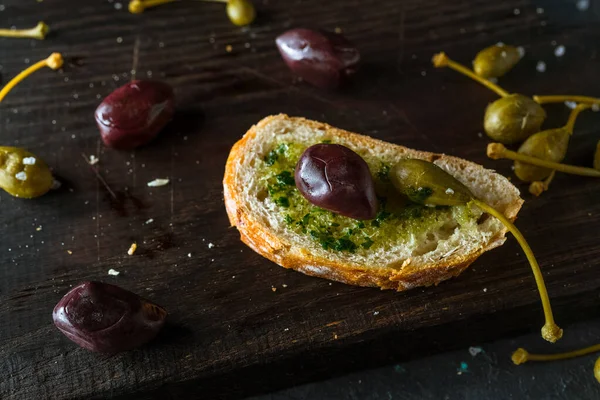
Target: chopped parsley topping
[[285, 178], [273, 156], [334, 232]]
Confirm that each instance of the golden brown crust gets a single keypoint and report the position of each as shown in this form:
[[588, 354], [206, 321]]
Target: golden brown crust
[[398, 277]]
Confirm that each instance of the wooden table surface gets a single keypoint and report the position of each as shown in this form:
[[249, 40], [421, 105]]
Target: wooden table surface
[[229, 334]]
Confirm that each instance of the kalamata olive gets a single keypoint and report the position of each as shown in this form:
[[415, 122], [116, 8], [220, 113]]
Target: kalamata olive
[[107, 319], [337, 179], [323, 59], [135, 113]]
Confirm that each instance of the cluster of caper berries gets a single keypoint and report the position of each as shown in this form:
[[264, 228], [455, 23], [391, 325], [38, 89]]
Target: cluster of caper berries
[[240, 12], [515, 118], [337, 179]]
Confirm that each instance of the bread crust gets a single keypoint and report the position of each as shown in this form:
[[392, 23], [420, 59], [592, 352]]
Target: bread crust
[[399, 277]]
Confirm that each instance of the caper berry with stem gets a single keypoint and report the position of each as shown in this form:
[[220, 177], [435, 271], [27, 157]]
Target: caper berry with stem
[[536, 188], [426, 183], [521, 356], [497, 151], [54, 61], [511, 119], [139, 6], [240, 12], [495, 61], [563, 98], [551, 145], [38, 32], [22, 174], [333, 177], [106, 318]]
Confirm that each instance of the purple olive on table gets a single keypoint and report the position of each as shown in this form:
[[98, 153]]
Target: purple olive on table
[[337, 179], [106, 318], [323, 59], [135, 113]]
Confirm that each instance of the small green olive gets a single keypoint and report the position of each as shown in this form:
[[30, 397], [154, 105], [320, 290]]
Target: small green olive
[[426, 183], [513, 118], [495, 61], [241, 12], [548, 145], [22, 174], [597, 156]]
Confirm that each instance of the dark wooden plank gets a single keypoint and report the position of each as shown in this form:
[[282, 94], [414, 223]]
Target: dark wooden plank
[[229, 334]]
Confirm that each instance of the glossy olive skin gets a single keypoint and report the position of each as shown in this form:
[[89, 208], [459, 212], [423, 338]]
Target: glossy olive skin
[[107, 319], [548, 145], [424, 182], [513, 119], [240, 12], [36, 178], [322, 59], [135, 113], [337, 179], [495, 61], [597, 156]]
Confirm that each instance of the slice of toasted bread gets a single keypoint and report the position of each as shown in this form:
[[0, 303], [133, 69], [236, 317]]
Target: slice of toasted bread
[[430, 246]]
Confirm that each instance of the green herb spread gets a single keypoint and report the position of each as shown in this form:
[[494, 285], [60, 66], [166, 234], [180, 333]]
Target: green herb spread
[[398, 219]]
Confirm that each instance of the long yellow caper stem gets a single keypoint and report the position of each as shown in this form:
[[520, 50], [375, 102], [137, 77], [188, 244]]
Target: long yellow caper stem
[[538, 187], [55, 61], [497, 151], [138, 6], [573, 117], [550, 331], [38, 32], [521, 356], [562, 98], [441, 60]]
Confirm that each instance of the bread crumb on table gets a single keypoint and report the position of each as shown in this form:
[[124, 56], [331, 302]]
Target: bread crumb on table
[[132, 249], [93, 160], [113, 272], [158, 182], [210, 245]]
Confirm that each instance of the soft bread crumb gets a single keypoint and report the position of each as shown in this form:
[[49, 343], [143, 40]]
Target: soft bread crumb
[[132, 249], [158, 182]]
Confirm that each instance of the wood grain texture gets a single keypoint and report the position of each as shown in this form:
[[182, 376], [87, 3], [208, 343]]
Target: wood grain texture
[[229, 333]]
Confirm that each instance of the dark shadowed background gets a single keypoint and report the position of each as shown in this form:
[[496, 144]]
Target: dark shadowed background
[[230, 335]]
